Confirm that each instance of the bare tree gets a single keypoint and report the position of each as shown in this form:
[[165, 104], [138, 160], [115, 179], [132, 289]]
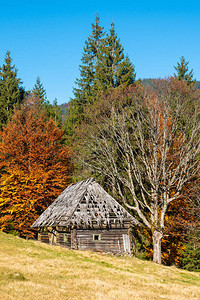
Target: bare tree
[[149, 152]]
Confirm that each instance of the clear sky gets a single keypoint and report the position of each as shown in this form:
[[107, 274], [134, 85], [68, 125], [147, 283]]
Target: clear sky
[[46, 38]]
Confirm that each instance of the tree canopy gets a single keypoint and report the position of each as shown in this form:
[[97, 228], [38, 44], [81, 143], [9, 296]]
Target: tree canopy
[[148, 151], [35, 167]]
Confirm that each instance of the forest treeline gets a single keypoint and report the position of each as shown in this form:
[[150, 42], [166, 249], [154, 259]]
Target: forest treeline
[[139, 138]]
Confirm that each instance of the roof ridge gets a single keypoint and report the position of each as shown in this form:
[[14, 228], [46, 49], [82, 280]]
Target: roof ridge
[[66, 204], [82, 196]]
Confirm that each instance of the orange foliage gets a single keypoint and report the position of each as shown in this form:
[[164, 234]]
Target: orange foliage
[[35, 167], [179, 220]]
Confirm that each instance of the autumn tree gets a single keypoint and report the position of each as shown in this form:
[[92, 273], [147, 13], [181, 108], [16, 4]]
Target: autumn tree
[[35, 167], [149, 151], [190, 259], [180, 222], [11, 91]]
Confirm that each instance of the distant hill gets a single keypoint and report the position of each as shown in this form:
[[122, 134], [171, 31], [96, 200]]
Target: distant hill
[[197, 85], [151, 82], [63, 110], [146, 82]]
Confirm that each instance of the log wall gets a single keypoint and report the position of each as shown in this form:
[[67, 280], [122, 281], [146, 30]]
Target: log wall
[[55, 236], [111, 240], [44, 237], [95, 239]]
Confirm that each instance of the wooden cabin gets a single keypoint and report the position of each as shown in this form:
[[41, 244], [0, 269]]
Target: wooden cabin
[[86, 217]]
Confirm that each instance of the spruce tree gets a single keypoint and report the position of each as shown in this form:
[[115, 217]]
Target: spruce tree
[[104, 66], [52, 111], [183, 72], [114, 69], [11, 91], [39, 91], [84, 92]]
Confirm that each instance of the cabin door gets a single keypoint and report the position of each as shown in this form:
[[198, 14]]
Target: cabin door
[[53, 237], [127, 246]]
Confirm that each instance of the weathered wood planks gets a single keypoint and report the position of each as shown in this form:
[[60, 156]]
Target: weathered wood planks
[[113, 240]]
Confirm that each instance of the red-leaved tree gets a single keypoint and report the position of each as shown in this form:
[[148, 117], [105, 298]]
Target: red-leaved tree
[[35, 167]]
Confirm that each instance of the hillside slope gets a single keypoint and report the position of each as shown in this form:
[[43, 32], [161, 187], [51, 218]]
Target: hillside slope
[[32, 270]]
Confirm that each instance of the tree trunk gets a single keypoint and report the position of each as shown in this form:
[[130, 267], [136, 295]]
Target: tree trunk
[[157, 237]]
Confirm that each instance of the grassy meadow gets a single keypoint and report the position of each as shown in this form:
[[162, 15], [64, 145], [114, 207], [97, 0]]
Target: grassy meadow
[[32, 270]]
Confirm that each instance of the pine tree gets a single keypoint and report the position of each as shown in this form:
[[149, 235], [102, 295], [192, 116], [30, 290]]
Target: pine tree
[[183, 72], [104, 66], [39, 90], [11, 92], [84, 92], [114, 69], [52, 110]]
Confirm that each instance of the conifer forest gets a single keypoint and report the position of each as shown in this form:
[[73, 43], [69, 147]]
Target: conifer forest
[[139, 138]]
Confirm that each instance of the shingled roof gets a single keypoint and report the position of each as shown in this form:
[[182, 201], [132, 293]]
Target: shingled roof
[[83, 203]]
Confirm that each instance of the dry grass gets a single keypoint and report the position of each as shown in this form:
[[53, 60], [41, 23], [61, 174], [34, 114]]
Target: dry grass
[[32, 270]]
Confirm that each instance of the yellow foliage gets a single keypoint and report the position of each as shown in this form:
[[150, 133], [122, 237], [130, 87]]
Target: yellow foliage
[[36, 168]]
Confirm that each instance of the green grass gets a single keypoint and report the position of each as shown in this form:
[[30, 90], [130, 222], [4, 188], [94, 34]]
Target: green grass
[[32, 270]]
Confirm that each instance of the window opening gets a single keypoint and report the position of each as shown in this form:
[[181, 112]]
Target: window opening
[[66, 237], [96, 237]]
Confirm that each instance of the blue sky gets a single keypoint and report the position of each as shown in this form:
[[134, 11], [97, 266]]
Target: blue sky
[[46, 38]]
